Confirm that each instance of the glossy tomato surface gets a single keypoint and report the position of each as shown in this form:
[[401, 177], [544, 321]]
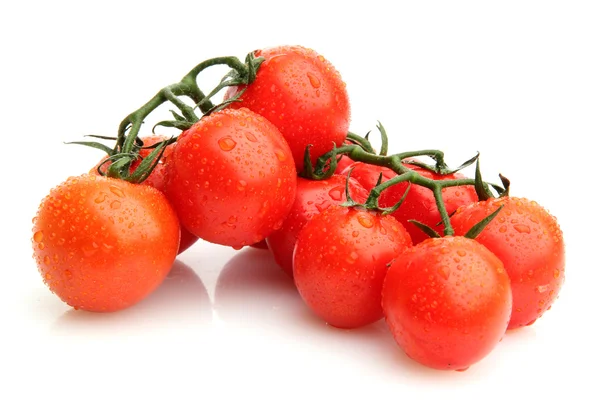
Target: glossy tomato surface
[[340, 261], [447, 302], [103, 244], [302, 93], [231, 178], [529, 241]]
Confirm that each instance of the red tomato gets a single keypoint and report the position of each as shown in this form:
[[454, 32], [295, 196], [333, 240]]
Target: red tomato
[[420, 205], [231, 178], [260, 245], [303, 95], [103, 244], [368, 174], [312, 197], [156, 179], [447, 302], [342, 163], [340, 261], [530, 243]]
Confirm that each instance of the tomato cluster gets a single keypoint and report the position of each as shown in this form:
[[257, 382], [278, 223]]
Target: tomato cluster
[[447, 263]]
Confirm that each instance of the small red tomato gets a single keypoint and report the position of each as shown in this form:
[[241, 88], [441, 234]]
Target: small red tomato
[[368, 174], [312, 197], [340, 261], [529, 242], [300, 92], [447, 302], [231, 178], [103, 244], [156, 179], [420, 205]]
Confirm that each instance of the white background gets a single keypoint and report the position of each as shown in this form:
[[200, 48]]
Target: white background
[[518, 81]]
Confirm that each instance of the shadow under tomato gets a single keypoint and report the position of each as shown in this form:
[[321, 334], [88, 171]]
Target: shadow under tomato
[[181, 298]]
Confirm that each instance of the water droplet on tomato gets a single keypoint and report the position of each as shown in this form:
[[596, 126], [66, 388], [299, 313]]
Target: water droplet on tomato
[[250, 137], [355, 234], [38, 236], [115, 205], [241, 185], [336, 193], [48, 276], [47, 260], [322, 206], [365, 220], [117, 191], [521, 228], [542, 288], [280, 155], [352, 257], [314, 80], [556, 273], [68, 274], [461, 252], [444, 271], [227, 143]]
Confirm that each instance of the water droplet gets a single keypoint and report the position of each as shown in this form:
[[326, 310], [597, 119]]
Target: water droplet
[[502, 229], [355, 234], [280, 155], [365, 220], [41, 245], [461, 253], [227, 143], [38, 236], [542, 288], [48, 276], [444, 271], [322, 206], [241, 185], [336, 193], [61, 241], [115, 205], [117, 191], [556, 273], [47, 260], [68, 274], [250, 136], [332, 249], [101, 197], [352, 257], [314, 81], [521, 228]]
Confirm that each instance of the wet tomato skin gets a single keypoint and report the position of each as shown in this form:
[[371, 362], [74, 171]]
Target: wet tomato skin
[[103, 244], [312, 198], [231, 178], [447, 302], [530, 243], [300, 92], [340, 261]]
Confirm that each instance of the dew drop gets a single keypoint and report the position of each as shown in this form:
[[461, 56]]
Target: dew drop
[[365, 220], [521, 228], [352, 257], [117, 191], [48, 276], [314, 81], [461, 253], [250, 137], [227, 143], [241, 185], [47, 260], [444, 271], [115, 205], [336, 193], [556, 273], [542, 288], [355, 234], [280, 155], [101, 197], [38, 236]]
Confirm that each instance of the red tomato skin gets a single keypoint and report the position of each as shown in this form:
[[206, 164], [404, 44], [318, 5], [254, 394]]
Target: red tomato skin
[[260, 245], [303, 95], [156, 179], [420, 204], [530, 243], [231, 178], [447, 302], [368, 174], [312, 198], [103, 244], [340, 261]]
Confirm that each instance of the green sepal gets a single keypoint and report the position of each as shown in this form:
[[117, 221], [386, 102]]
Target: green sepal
[[349, 200], [108, 150], [384, 139], [480, 226], [148, 163], [481, 187], [181, 125], [425, 228]]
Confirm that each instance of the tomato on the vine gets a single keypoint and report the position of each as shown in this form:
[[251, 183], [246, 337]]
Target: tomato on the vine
[[312, 197], [340, 261], [104, 244], [300, 92], [231, 178], [529, 242], [447, 302], [156, 179], [420, 205], [368, 174]]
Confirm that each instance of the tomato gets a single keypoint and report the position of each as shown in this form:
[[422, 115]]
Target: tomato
[[231, 178], [156, 179], [340, 261], [103, 244], [368, 174], [312, 197], [530, 243], [447, 302], [303, 95], [260, 245], [420, 204]]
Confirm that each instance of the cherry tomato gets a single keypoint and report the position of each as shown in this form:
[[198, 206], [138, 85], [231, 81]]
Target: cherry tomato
[[103, 244], [231, 178], [301, 93], [156, 179], [368, 174], [340, 261], [530, 243], [447, 302], [420, 204], [312, 197]]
